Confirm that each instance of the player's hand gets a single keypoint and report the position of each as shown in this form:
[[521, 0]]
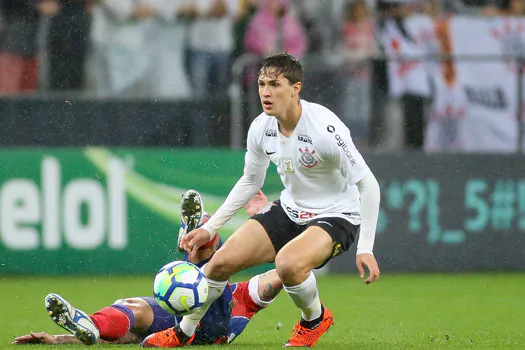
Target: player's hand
[[369, 261], [256, 203], [35, 338], [193, 240]]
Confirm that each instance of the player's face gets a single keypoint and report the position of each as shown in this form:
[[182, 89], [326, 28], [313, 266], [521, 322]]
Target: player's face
[[277, 95]]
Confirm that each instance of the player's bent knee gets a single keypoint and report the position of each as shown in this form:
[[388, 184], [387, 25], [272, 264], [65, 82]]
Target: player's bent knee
[[220, 267], [290, 270], [135, 304]]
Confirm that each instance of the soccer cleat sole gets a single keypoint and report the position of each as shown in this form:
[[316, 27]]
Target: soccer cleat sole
[[191, 210], [61, 316]]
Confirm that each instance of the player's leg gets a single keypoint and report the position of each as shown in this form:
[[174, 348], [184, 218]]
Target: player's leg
[[124, 321], [150, 317], [322, 239], [132, 319], [250, 297], [71, 319], [213, 327], [146, 317], [248, 246], [116, 320]]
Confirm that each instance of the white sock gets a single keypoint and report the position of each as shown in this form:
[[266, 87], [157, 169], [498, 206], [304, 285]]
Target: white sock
[[253, 289], [189, 323], [306, 297]]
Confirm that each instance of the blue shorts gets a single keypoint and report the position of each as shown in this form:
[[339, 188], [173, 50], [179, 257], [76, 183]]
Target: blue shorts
[[161, 319]]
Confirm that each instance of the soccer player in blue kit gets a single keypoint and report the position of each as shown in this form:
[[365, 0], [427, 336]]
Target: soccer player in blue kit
[[130, 320]]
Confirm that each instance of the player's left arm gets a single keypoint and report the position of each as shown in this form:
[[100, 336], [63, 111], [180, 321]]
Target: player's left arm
[[357, 172]]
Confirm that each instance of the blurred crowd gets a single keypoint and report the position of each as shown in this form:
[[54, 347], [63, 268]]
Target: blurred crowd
[[182, 48], [185, 48], [148, 48]]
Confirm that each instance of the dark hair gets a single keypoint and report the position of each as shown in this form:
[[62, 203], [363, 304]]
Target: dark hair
[[285, 64]]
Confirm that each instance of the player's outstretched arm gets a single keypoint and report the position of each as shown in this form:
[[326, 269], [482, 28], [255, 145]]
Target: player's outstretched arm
[[45, 338]]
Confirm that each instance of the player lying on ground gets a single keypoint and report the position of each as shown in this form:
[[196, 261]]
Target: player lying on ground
[[130, 320]]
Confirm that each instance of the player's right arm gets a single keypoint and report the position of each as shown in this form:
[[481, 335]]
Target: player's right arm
[[256, 163]]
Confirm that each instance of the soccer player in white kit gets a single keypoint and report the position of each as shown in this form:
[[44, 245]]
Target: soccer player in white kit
[[330, 195]]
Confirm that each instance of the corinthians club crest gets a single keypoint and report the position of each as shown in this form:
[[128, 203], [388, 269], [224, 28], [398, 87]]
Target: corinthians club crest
[[308, 158]]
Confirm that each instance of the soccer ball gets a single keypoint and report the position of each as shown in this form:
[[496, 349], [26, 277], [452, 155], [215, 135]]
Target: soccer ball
[[180, 287]]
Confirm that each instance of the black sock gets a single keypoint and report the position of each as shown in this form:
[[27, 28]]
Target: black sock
[[315, 322]]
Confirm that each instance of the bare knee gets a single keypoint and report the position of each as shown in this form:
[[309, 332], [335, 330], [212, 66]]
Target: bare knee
[[141, 311], [291, 269], [136, 305], [220, 267], [120, 302]]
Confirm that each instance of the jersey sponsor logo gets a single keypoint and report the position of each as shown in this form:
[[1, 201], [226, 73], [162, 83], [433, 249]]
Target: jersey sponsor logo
[[307, 159], [268, 153], [298, 214], [344, 146], [304, 138], [271, 133], [330, 128]]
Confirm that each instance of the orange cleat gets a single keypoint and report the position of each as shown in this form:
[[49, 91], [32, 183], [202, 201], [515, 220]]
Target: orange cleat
[[168, 338], [307, 337]]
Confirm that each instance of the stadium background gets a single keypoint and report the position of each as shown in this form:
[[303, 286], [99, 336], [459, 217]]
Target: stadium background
[[90, 188]]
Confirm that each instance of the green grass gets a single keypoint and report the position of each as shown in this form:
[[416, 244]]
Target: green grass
[[413, 311]]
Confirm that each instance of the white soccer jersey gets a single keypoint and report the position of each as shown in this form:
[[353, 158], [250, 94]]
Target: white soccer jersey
[[318, 164]]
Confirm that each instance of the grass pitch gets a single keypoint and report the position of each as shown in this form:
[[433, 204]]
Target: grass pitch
[[412, 311]]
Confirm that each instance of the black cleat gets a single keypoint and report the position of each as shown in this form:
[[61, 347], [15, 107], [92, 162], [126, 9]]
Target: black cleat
[[191, 212], [71, 319]]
